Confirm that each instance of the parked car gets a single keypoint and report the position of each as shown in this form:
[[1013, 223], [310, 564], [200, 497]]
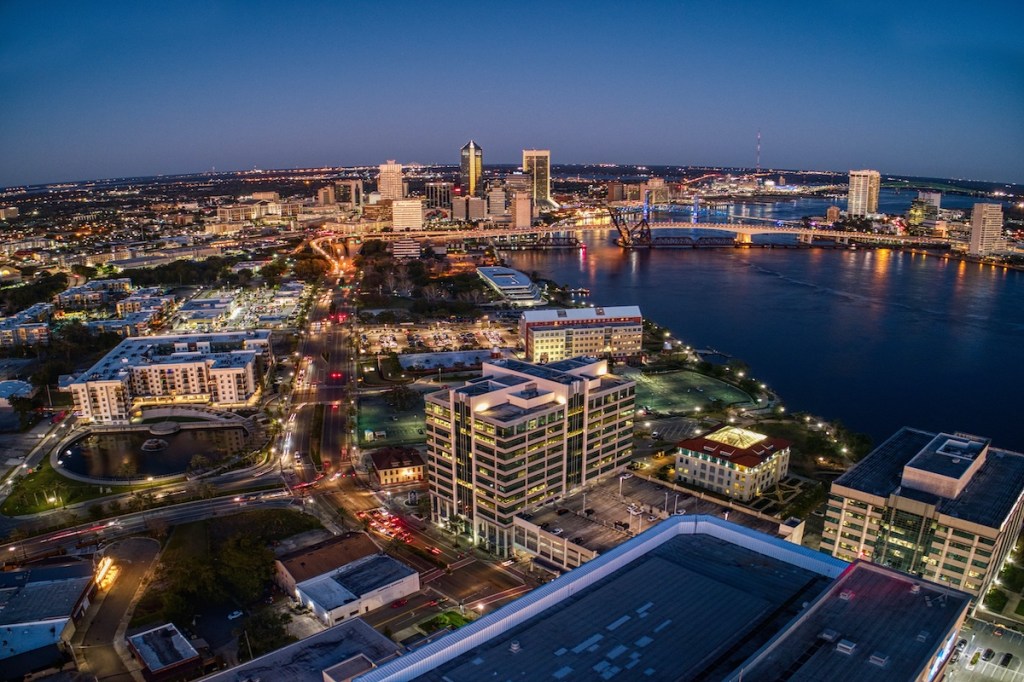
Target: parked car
[[988, 655], [399, 603], [235, 615]]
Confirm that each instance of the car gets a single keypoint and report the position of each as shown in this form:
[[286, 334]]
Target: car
[[652, 518], [434, 550], [399, 603], [235, 615], [508, 562], [556, 531], [988, 655], [1005, 660], [626, 475], [961, 644], [433, 602], [655, 435]]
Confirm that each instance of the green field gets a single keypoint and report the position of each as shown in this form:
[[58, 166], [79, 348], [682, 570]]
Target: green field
[[403, 427], [682, 391]]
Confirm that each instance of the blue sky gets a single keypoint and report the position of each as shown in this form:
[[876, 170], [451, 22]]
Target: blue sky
[[96, 90]]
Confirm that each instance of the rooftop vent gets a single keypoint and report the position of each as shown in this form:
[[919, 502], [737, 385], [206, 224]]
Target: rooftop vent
[[829, 635], [845, 646], [879, 659], [915, 588], [922, 636], [514, 646], [846, 595]]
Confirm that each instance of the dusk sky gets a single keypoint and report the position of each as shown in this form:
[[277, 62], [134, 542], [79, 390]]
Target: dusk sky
[[104, 89]]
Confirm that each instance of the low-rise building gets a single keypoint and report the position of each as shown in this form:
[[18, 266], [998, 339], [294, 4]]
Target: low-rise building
[[93, 293], [732, 461], [512, 285], [165, 654], [945, 506], [309, 562], [396, 466], [357, 588], [405, 249], [614, 332]]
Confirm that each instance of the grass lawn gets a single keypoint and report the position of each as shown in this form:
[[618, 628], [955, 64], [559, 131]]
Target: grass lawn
[[402, 427], [681, 391], [31, 493]]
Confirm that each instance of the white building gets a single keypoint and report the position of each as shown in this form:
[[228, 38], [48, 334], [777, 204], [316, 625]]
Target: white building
[[357, 588], [407, 214], [521, 434], [512, 285], [551, 335], [986, 229], [389, 180], [735, 462], [863, 197], [217, 369], [405, 249]]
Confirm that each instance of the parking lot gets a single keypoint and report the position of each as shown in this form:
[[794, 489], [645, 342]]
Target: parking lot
[[389, 426], [426, 338], [981, 636]]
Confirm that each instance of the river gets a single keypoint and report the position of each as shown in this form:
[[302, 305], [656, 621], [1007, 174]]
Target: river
[[874, 337]]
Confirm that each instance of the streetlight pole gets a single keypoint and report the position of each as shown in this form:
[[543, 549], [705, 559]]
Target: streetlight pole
[[675, 506]]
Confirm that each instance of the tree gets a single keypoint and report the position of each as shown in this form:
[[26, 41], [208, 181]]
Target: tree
[[25, 408], [401, 397], [198, 463], [83, 270], [245, 567]]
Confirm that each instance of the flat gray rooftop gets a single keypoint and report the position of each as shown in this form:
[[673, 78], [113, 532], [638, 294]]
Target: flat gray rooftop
[[949, 456], [882, 617], [43, 593], [986, 500], [163, 647], [636, 623], [303, 661], [354, 580]]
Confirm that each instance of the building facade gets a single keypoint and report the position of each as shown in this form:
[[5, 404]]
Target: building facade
[[471, 169], [986, 229], [735, 462], [389, 180], [439, 195], [537, 165], [552, 335], [512, 285], [216, 369], [946, 507], [397, 466], [521, 434], [863, 197], [522, 210], [407, 214]]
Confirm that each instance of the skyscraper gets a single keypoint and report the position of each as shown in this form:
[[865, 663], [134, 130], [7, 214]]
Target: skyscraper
[[522, 434], [472, 169], [863, 199], [439, 195], [986, 229], [537, 165], [389, 182]]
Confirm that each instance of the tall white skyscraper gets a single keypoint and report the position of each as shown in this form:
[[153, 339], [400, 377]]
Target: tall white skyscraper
[[863, 200], [389, 182], [986, 229], [537, 165]]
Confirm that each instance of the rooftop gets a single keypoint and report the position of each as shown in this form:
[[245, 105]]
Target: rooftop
[[395, 458], [327, 556], [739, 446], [43, 593], [162, 647], [626, 614], [303, 661], [568, 315], [354, 580], [894, 623], [987, 499]]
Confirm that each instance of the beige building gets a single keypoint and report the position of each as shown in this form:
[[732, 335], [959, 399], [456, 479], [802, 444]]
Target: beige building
[[863, 197], [521, 434], [986, 229], [522, 211], [551, 335], [389, 180], [407, 214], [216, 369], [946, 507], [397, 466], [735, 462]]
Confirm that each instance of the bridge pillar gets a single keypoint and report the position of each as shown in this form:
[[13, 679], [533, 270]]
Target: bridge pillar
[[806, 238], [744, 238], [843, 240]]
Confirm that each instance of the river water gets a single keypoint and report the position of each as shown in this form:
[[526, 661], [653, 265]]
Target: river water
[[874, 337]]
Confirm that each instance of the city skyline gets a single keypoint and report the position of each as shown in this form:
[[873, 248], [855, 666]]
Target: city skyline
[[158, 90]]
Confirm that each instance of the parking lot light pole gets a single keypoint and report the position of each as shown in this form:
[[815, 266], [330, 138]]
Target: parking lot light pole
[[675, 506]]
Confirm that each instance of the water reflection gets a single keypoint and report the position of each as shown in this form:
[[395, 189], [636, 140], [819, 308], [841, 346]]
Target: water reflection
[[116, 455]]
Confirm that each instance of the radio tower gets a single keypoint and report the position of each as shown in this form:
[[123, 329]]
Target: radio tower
[[758, 167]]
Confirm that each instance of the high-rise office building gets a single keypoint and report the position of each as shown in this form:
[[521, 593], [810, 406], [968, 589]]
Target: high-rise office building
[[407, 214], [349, 192], [496, 202], [471, 169], [389, 182], [946, 507], [325, 196], [924, 210], [537, 165], [986, 229], [439, 195], [521, 434], [522, 210], [863, 198]]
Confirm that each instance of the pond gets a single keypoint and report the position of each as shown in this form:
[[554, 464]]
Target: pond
[[140, 453]]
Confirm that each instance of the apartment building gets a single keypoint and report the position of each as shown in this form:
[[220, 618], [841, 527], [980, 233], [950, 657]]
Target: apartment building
[[552, 335], [93, 293], [30, 327], [946, 507], [739, 463], [216, 369], [521, 434]]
